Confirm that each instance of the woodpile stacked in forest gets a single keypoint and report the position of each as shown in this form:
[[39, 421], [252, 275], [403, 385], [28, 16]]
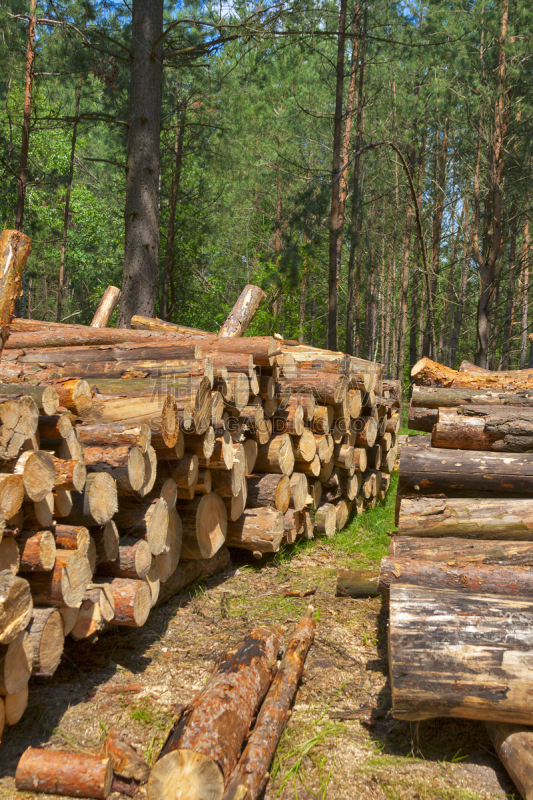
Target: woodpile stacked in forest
[[458, 576], [132, 458]]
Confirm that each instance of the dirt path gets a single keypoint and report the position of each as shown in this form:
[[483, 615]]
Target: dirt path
[[133, 679]]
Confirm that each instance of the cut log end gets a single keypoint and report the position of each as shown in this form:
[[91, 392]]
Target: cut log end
[[186, 775]]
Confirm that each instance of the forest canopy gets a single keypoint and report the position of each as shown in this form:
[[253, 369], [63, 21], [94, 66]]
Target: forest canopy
[[369, 165]]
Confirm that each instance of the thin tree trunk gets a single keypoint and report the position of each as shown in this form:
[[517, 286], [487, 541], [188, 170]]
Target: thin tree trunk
[[62, 282], [335, 212], [459, 310], [416, 284], [25, 144], [510, 304], [141, 244], [168, 266], [525, 293], [441, 157]]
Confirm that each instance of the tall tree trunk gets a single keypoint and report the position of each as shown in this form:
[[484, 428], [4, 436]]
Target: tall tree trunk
[[141, 243], [25, 144], [62, 282], [459, 309], [335, 212], [525, 292], [404, 285], [168, 266], [449, 284], [416, 282], [493, 206], [510, 303]]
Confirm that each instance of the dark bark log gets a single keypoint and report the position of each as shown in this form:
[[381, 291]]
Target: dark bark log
[[436, 397], [454, 551]]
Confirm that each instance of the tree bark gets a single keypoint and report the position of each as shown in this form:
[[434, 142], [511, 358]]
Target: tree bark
[[141, 247], [430, 373], [106, 306], [70, 774], [453, 550], [514, 745], [484, 428], [26, 124], [484, 518], [168, 266], [14, 251]]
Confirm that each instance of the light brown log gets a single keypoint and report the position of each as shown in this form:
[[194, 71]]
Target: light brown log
[[204, 523], [126, 761], [366, 430], [15, 706], [314, 491], [258, 529], [222, 455], [342, 509], [60, 772], [441, 397], [288, 419], [269, 490], [72, 537], [479, 666], [115, 434], [106, 540], [134, 560], [326, 520], [154, 582], [45, 397], [56, 427], [167, 562], [98, 502], [69, 617], [510, 518], [148, 519], [276, 456], [514, 745], [75, 396], [454, 551], [298, 496], [11, 494], [16, 606], [90, 620], [15, 664], [355, 402], [65, 584], [307, 402], [344, 455], [236, 504], [311, 468], [132, 599], [388, 463], [497, 428], [305, 446], [251, 450], [324, 446], [203, 747], [70, 475], [224, 483], [429, 373], [293, 525], [150, 471], [326, 387], [38, 474], [37, 551], [101, 594], [47, 640], [106, 306], [242, 312], [15, 248], [9, 555], [325, 469]]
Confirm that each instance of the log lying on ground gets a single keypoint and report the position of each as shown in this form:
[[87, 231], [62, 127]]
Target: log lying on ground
[[426, 470], [106, 306], [429, 373], [16, 606], [509, 581], [357, 583], [454, 551], [126, 761], [60, 772], [15, 248], [504, 429], [506, 518], [251, 773], [441, 397], [204, 745], [258, 529], [514, 745], [479, 647], [242, 312]]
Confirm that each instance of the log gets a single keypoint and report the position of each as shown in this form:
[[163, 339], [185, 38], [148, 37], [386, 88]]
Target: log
[[326, 520], [441, 397], [39, 474], [134, 560], [115, 434], [72, 537], [422, 419], [60, 772], [251, 449], [9, 555], [306, 448], [106, 306], [189, 571], [510, 518], [326, 387], [204, 523], [98, 502], [429, 373], [498, 428], [426, 470], [312, 468], [15, 706], [344, 456], [293, 525], [45, 397], [15, 664], [514, 745], [147, 519], [276, 456], [126, 761], [366, 430], [15, 248], [132, 599], [343, 509], [479, 655], [511, 581], [289, 419], [205, 742], [307, 403], [454, 551], [298, 496], [314, 492], [269, 490], [65, 584], [106, 540], [324, 446], [75, 396], [37, 551], [252, 772], [359, 583], [323, 419], [167, 562], [16, 606], [47, 640], [242, 312], [258, 529]]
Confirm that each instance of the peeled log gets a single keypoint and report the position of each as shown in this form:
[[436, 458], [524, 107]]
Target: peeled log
[[507, 430], [514, 745], [251, 773], [98, 502], [204, 522], [258, 529], [16, 606], [454, 551], [430, 470], [510, 581], [510, 518], [326, 520], [65, 584], [114, 434], [15, 664], [106, 306], [15, 248], [204, 745], [429, 373], [15, 706], [269, 490], [276, 456], [242, 312], [59, 772], [47, 639], [480, 652]]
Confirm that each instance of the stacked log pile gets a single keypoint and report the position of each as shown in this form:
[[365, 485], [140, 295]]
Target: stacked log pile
[[132, 458], [458, 576]]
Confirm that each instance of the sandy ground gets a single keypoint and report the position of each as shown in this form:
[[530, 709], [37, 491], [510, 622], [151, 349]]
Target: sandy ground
[[133, 680]]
